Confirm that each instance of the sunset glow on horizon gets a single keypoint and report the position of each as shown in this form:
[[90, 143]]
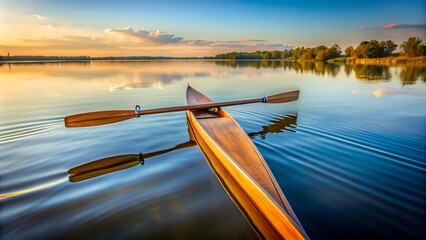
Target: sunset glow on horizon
[[205, 28]]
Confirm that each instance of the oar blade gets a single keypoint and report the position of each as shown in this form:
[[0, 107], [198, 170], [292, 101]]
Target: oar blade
[[104, 163], [96, 173], [283, 97], [98, 118]]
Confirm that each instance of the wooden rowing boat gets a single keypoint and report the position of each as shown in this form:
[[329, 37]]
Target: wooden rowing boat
[[242, 171]]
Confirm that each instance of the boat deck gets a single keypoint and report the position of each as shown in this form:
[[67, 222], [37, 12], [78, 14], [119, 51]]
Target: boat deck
[[234, 142]]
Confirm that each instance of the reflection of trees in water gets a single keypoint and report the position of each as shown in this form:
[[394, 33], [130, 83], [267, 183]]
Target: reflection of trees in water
[[47, 63], [410, 74], [249, 64], [373, 73], [113, 74], [319, 68], [348, 69], [369, 73], [283, 123]]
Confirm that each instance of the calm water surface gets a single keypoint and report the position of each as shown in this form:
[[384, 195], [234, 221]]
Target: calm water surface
[[350, 155]]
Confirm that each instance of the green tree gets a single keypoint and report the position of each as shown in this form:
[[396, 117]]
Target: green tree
[[333, 52], [320, 55], [349, 51], [372, 50], [388, 47], [360, 49], [276, 54], [413, 47], [267, 55], [286, 54], [308, 54]]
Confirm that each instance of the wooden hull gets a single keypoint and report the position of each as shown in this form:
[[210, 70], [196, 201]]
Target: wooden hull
[[242, 171]]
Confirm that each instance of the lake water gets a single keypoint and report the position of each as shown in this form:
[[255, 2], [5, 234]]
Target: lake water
[[350, 154]]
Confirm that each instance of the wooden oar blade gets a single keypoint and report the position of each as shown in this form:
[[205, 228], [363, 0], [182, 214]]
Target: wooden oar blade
[[113, 116], [104, 163], [284, 97], [98, 118], [87, 175], [115, 161]]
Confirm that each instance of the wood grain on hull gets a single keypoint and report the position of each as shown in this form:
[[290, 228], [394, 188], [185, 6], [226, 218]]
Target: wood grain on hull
[[242, 171]]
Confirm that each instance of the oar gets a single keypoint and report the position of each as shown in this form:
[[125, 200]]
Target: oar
[[112, 116], [116, 163]]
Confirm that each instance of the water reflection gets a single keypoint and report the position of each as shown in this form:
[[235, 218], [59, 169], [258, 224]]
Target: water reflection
[[32, 189], [53, 63], [369, 73], [116, 163], [410, 74], [112, 75], [364, 165], [278, 125], [317, 68]]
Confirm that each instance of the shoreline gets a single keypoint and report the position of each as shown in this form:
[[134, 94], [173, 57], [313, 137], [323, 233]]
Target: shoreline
[[390, 61]]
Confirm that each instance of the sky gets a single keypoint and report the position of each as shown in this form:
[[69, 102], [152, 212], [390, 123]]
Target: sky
[[200, 28]]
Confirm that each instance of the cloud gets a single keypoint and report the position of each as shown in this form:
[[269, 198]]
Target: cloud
[[39, 17], [198, 42], [46, 26], [158, 37], [273, 45], [395, 26], [254, 40], [380, 92], [70, 43], [155, 37]]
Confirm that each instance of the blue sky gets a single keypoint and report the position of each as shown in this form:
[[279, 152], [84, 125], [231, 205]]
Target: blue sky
[[220, 25]]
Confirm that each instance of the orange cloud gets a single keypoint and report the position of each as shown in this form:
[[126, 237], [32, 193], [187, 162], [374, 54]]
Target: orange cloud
[[155, 37], [49, 40], [159, 37], [396, 26], [39, 17]]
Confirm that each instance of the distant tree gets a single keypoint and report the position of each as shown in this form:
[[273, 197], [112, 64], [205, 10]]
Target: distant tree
[[308, 54], [359, 49], [286, 54], [388, 47], [276, 54], [413, 47], [296, 53], [333, 52], [267, 55], [372, 50], [319, 48], [336, 46], [349, 51], [320, 55]]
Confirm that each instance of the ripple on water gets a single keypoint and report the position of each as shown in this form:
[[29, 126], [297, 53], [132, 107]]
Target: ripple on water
[[20, 130], [371, 174], [350, 164]]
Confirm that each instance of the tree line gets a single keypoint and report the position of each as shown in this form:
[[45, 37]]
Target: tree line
[[44, 58], [409, 74], [413, 47]]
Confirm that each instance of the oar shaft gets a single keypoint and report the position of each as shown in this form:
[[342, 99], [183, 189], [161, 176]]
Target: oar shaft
[[112, 116], [198, 106]]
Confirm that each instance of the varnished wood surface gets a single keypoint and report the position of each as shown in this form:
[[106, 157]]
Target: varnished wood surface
[[123, 159], [112, 116], [243, 172]]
